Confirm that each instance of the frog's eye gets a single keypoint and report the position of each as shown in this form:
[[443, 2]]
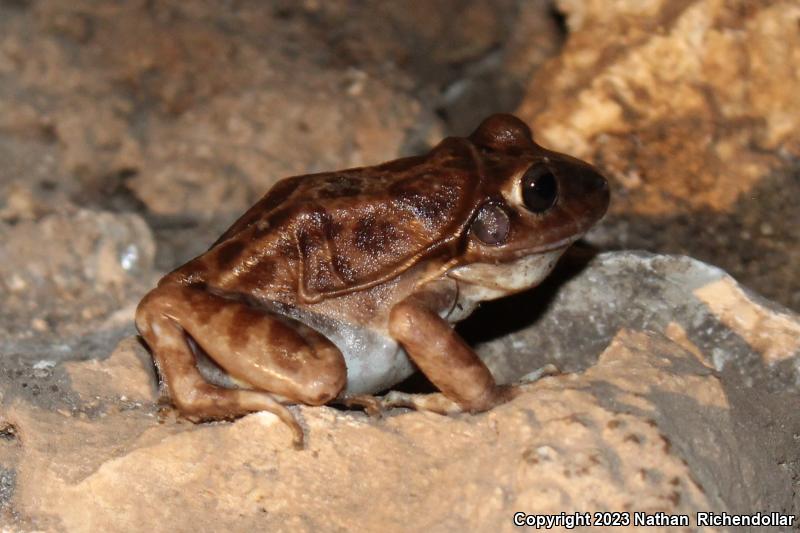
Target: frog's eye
[[539, 188], [491, 225]]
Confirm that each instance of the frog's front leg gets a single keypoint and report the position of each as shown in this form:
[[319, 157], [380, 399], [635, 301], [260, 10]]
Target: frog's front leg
[[272, 354], [445, 359]]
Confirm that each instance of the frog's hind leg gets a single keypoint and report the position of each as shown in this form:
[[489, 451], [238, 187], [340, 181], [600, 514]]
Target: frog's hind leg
[[197, 399], [270, 353]]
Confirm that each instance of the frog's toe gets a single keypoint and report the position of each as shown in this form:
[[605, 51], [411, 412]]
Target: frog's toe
[[371, 405], [209, 402], [527, 382], [547, 370], [434, 402]]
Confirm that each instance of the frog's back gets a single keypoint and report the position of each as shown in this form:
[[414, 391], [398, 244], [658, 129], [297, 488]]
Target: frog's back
[[324, 235]]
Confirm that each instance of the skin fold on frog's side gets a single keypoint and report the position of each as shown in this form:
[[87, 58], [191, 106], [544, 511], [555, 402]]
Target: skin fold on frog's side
[[338, 285]]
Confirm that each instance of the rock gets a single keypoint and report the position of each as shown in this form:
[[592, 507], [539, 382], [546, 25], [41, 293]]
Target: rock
[[649, 418], [774, 335], [185, 109], [127, 375], [243, 142], [466, 68], [91, 262]]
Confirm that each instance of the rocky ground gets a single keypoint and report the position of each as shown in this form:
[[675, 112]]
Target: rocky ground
[[132, 134]]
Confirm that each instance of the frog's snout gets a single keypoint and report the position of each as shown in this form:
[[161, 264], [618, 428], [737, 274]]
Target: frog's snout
[[592, 182], [588, 189], [598, 187], [596, 182]]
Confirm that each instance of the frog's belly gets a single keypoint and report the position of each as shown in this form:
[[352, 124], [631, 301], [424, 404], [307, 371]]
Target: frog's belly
[[374, 362]]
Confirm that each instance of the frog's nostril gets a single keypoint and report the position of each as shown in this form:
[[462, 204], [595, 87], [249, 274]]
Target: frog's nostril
[[602, 192], [594, 182]]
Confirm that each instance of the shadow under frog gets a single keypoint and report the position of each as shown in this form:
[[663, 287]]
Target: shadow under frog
[[338, 285]]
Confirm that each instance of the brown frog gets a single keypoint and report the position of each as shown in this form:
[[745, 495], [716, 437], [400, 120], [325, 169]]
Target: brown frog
[[335, 286]]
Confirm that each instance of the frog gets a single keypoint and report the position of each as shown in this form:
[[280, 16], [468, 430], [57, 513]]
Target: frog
[[337, 286]]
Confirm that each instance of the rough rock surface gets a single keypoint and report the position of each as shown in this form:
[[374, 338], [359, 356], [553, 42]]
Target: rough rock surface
[[90, 262], [656, 413]]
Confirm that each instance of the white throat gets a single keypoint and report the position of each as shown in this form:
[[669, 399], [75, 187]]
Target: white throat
[[478, 282]]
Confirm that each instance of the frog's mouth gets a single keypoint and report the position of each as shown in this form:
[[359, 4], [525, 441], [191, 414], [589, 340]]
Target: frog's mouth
[[488, 281]]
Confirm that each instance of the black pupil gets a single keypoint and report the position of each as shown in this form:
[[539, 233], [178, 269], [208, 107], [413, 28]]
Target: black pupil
[[539, 189]]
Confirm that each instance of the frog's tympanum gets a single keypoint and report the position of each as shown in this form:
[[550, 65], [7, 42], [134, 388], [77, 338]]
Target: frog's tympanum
[[338, 285]]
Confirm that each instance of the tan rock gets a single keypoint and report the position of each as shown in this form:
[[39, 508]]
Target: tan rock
[[597, 441], [775, 335], [72, 268], [184, 107], [127, 375], [675, 422]]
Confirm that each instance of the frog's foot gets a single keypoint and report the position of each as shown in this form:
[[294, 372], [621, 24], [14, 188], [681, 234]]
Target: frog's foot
[[435, 402], [527, 382], [532, 377], [279, 359], [371, 405], [214, 403], [439, 403]]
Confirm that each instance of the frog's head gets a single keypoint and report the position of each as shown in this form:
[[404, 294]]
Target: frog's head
[[532, 203]]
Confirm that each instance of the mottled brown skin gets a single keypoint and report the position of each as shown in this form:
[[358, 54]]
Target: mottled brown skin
[[390, 249]]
